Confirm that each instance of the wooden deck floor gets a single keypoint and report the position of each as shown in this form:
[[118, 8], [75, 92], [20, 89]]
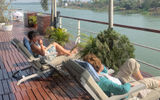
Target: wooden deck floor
[[42, 88]]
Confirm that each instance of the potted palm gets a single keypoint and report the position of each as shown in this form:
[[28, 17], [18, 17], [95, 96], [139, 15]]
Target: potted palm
[[59, 35]]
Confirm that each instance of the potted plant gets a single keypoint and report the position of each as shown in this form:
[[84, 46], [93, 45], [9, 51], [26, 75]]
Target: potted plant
[[5, 12], [59, 35], [111, 47], [32, 21], [8, 26], [2, 22]]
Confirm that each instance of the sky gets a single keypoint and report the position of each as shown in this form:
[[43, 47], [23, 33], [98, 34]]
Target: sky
[[26, 0], [34, 0]]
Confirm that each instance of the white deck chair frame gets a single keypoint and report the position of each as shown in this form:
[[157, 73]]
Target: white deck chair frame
[[83, 77], [35, 63]]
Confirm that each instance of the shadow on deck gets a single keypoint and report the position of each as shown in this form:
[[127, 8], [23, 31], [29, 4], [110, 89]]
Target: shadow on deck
[[46, 87]]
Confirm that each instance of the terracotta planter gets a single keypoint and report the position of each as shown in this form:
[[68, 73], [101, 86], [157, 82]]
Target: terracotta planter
[[1, 26], [7, 27], [35, 26], [26, 17], [43, 22]]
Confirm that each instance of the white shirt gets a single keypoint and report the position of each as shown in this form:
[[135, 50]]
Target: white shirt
[[113, 79]]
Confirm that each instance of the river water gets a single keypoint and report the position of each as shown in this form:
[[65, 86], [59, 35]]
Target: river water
[[141, 37]]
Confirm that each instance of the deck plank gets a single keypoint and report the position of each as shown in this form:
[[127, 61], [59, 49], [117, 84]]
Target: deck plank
[[1, 88], [12, 96], [5, 86], [1, 97], [31, 94], [5, 97], [24, 95], [44, 94], [1, 75], [18, 96], [37, 94]]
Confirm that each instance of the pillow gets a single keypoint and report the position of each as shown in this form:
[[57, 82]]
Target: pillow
[[90, 69], [27, 45]]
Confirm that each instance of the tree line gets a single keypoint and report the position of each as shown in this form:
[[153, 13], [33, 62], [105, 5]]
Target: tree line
[[129, 4]]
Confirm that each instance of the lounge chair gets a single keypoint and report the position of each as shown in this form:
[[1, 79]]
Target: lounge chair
[[36, 63], [83, 77]]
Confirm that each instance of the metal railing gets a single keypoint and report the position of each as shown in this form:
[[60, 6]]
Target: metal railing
[[117, 25]]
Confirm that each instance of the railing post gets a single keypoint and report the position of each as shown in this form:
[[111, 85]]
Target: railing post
[[110, 15], [60, 22], [78, 40]]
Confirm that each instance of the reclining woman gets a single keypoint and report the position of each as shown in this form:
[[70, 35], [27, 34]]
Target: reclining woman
[[119, 84], [39, 49]]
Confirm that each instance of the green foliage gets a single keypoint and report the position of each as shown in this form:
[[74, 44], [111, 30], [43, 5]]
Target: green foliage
[[147, 4], [155, 4], [129, 4], [44, 4], [111, 47], [150, 4], [4, 9], [58, 35], [100, 4], [85, 39], [32, 21]]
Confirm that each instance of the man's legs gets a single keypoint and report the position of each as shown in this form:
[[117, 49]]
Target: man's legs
[[128, 70], [131, 69], [137, 75], [150, 83]]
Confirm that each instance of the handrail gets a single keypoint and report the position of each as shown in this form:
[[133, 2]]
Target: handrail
[[153, 66], [126, 26], [118, 25], [140, 45], [136, 44]]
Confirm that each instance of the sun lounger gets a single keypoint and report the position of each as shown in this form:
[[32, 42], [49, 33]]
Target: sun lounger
[[35, 63], [83, 77]]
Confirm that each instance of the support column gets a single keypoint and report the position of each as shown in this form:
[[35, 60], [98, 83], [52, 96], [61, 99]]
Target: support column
[[52, 13], [110, 15], [55, 8], [78, 40], [60, 22]]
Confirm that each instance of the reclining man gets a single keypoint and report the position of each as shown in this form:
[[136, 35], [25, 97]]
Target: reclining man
[[38, 48], [119, 84]]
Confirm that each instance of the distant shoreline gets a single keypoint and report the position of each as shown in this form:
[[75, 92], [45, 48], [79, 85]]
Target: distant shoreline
[[138, 11], [152, 12]]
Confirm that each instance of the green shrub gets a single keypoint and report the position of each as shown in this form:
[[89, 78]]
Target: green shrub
[[111, 47], [32, 21], [58, 35], [2, 19]]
